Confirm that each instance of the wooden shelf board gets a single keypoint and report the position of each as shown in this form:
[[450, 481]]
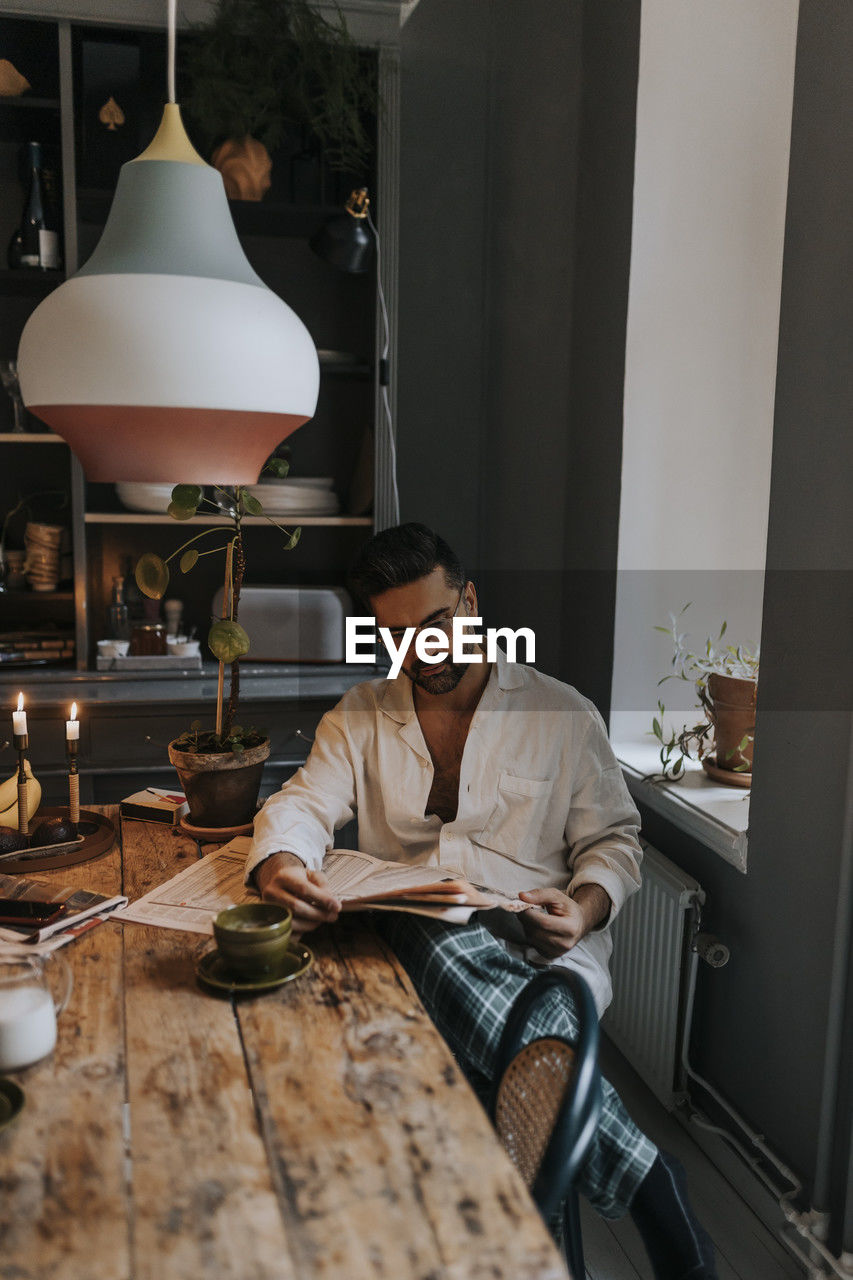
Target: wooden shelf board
[[30, 437], [141, 517]]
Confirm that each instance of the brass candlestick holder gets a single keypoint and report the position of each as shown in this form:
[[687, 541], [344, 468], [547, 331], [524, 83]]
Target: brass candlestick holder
[[22, 742], [73, 781]]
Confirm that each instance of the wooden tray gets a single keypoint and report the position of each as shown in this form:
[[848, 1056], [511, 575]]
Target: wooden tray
[[94, 843]]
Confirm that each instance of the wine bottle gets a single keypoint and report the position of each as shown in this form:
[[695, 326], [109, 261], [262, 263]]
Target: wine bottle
[[132, 595], [50, 241], [39, 243]]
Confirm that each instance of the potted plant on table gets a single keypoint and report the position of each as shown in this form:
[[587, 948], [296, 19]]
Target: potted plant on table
[[220, 768], [726, 681]]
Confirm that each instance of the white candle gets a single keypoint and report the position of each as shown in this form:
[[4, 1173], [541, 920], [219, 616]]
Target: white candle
[[19, 718], [72, 726]]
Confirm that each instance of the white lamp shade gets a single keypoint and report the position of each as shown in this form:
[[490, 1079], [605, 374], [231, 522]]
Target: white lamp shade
[[165, 357]]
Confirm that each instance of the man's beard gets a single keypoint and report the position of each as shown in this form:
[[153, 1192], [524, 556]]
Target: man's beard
[[442, 682]]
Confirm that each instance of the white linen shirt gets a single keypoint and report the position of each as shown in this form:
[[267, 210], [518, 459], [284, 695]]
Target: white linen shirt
[[542, 800]]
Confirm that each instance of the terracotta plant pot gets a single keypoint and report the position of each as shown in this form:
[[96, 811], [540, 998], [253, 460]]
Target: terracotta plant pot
[[221, 787], [245, 166], [732, 706]]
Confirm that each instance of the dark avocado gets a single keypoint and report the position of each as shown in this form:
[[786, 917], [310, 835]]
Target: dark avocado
[[53, 831], [11, 840]]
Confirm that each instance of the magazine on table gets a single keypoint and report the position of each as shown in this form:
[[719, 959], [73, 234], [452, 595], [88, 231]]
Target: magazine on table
[[77, 911], [191, 899]]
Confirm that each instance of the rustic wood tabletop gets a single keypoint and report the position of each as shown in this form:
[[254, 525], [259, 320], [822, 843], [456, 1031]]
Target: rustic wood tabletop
[[317, 1131]]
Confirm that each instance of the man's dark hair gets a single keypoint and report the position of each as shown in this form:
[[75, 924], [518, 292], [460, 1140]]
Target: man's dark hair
[[400, 555]]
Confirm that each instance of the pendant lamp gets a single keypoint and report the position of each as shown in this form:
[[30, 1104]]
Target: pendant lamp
[[165, 358]]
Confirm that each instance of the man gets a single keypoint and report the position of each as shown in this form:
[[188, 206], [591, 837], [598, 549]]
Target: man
[[506, 775]]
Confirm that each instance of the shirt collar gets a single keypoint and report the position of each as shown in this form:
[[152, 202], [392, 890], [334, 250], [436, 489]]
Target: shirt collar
[[396, 697]]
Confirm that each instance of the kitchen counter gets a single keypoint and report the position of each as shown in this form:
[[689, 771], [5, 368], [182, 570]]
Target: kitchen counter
[[259, 682], [127, 719]]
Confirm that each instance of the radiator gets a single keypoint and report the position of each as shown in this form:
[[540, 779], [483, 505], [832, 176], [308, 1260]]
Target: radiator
[[651, 953]]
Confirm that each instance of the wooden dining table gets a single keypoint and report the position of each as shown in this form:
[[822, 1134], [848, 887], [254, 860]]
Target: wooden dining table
[[320, 1130]]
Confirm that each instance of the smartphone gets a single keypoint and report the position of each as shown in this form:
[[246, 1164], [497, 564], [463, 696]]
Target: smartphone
[[23, 911]]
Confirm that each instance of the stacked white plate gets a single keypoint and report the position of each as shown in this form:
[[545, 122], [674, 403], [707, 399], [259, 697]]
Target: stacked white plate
[[145, 497], [302, 496]]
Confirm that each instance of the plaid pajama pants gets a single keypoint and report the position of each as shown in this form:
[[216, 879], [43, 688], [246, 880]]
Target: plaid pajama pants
[[468, 983]]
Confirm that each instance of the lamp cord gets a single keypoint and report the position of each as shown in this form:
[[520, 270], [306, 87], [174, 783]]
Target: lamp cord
[[173, 5], [383, 388]]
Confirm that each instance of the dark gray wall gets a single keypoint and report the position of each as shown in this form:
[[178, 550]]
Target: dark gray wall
[[803, 732], [517, 159], [513, 300], [762, 1023], [445, 77], [610, 53]]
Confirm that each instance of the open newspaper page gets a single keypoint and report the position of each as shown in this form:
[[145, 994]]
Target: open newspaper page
[[191, 899], [83, 911]]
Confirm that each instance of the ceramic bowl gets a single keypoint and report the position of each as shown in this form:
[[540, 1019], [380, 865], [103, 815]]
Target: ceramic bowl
[[253, 938]]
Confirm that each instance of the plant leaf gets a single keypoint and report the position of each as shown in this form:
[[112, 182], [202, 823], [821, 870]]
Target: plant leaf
[[152, 575], [227, 641], [188, 560], [656, 729], [293, 539], [251, 504], [180, 513], [187, 495], [278, 467]]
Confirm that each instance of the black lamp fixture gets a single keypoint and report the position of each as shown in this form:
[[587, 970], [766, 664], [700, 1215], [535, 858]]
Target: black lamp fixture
[[344, 240], [347, 241]]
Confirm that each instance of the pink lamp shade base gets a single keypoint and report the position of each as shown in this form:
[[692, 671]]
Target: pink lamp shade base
[[205, 446]]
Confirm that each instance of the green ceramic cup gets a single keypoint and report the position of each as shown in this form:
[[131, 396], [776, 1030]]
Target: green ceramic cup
[[253, 938]]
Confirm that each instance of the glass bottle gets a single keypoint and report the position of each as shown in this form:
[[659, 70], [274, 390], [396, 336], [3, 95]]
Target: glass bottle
[[133, 597], [39, 241], [119, 623]]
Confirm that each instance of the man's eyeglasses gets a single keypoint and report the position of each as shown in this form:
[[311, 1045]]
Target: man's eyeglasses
[[444, 622]]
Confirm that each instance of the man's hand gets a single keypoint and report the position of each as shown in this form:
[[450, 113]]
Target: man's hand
[[284, 878], [562, 921]]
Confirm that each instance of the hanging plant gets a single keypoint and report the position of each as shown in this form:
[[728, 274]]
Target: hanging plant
[[268, 68]]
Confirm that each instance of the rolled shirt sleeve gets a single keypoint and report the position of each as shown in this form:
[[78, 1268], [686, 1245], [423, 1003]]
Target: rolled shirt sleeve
[[603, 824], [303, 816]]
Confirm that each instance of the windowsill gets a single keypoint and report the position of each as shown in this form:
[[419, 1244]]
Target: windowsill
[[711, 812]]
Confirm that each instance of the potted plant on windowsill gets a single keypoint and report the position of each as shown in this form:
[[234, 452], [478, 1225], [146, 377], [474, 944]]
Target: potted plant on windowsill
[[220, 768], [726, 681]]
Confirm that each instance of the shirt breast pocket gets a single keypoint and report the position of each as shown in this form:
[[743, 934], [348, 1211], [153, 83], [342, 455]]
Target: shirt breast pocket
[[515, 823]]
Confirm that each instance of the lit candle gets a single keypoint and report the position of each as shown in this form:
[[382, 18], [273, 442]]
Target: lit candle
[[72, 726], [19, 719]]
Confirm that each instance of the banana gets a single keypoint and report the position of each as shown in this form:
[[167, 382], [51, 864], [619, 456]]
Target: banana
[[9, 797], [9, 788]]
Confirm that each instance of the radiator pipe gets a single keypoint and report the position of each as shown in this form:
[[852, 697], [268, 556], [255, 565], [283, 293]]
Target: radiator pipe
[[805, 1223]]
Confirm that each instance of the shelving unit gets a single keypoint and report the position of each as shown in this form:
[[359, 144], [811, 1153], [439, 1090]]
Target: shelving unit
[[341, 312], [144, 518]]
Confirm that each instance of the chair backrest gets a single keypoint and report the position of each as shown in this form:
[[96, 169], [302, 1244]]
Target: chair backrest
[[548, 1096]]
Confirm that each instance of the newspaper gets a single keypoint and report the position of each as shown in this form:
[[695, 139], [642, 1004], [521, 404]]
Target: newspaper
[[191, 899], [83, 911]]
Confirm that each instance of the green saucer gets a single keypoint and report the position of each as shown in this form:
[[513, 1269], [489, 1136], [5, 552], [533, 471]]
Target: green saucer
[[212, 971], [11, 1101]]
